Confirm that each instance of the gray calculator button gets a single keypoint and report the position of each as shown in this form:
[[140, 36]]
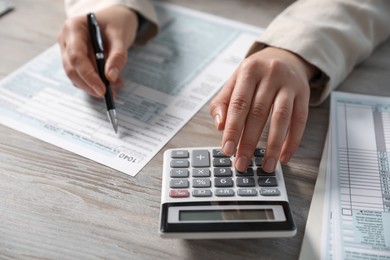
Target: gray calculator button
[[224, 192], [179, 173], [222, 172], [180, 163], [201, 193], [218, 153], [222, 162], [223, 182], [179, 183], [180, 154], [246, 182], [247, 192], [200, 158], [269, 192], [267, 182], [201, 172], [201, 183]]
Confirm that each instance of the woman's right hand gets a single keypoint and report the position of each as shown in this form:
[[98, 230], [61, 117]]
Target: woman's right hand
[[118, 26]]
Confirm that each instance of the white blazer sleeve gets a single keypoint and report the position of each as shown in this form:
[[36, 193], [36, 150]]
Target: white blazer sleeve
[[143, 7], [333, 35]]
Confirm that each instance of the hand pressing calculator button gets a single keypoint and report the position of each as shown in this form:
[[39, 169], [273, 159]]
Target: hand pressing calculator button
[[204, 196]]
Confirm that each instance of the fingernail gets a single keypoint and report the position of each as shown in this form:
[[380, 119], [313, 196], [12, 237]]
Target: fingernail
[[113, 74], [269, 165], [217, 121], [98, 91], [242, 164], [229, 148], [285, 158]]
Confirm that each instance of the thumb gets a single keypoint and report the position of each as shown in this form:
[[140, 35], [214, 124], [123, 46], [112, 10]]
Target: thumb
[[116, 60]]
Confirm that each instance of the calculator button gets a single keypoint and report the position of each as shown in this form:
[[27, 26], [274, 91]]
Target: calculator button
[[259, 161], [224, 192], [269, 192], [259, 152], [180, 163], [179, 193], [179, 183], [267, 182], [249, 172], [201, 172], [218, 153], [246, 182], [202, 193], [222, 172], [201, 183], [200, 158], [262, 173], [179, 173], [180, 154], [246, 192], [223, 182], [222, 162]]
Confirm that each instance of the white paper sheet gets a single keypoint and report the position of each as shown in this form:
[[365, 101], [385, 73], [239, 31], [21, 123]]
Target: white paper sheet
[[356, 195], [166, 83]]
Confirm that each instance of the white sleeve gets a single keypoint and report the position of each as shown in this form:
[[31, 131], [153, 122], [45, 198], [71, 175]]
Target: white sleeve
[[333, 35]]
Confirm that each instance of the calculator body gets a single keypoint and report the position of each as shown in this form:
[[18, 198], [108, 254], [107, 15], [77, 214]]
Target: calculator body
[[204, 197]]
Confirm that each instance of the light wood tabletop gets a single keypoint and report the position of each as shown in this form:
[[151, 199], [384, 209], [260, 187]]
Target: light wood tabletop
[[57, 205]]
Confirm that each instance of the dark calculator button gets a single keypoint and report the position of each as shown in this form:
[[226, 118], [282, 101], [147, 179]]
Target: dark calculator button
[[218, 153], [222, 162], [245, 182], [259, 152], [179, 183], [249, 172], [267, 182], [269, 192], [223, 182], [262, 173], [222, 172], [259, 161]]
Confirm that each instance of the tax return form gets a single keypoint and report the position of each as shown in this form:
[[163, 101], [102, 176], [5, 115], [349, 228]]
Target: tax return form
[[166, 83], [352, 193]]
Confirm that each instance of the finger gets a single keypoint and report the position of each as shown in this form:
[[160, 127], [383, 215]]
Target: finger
[[280, 121], [239, 105], [219, 105], [297, 128], [254, 125], [78, 51], [116, 59]]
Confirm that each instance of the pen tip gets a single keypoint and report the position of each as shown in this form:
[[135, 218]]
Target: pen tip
[[113, 119]]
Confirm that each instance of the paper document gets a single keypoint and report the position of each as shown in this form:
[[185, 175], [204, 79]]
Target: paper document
[[356, 212], [166, 83]]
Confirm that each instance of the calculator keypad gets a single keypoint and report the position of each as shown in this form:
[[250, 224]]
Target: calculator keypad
[[208, 173]]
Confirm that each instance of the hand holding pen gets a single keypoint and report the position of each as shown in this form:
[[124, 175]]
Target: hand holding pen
[[118, 26]]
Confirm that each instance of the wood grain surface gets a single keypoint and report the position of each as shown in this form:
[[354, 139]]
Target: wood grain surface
[[57, 205]]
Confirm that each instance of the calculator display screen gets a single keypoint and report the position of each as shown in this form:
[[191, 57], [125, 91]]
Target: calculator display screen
[[226, 215]]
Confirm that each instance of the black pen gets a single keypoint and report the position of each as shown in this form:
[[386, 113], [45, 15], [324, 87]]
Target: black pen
[[97, 43]]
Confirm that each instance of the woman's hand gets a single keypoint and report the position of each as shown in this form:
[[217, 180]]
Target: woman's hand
[[272, 82], [118, 26]]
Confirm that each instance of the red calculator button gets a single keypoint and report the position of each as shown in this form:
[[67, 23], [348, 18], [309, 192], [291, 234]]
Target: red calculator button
[[179, 193]]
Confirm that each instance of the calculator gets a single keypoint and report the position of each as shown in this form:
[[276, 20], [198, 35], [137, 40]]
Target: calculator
[[204, 197]]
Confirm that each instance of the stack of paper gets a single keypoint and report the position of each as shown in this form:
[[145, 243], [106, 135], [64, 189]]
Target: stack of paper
[[352, 194]]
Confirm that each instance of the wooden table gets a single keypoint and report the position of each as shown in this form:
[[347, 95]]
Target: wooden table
[[57, 205]]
